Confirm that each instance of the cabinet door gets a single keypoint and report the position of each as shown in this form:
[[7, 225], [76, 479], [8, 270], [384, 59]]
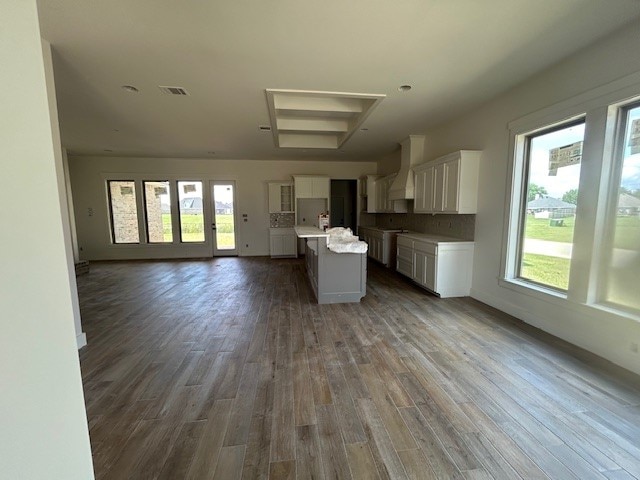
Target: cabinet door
[[320, 187], [286, 197], [450, 196], [274, 198], [378, 248], [438, 187], [304, 187], [429, 187], [430, 272], [419, 267], [404, 261], [380, 200], [289, 244], [372, 195], [276, 245], [418, 202]]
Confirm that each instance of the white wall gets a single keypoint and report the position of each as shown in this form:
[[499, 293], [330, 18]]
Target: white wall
[[43, 427], [88, 179], [486, 129]]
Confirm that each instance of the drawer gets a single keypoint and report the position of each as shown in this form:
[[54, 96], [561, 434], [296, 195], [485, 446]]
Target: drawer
[[405, 242], [405, 253], [430, 248]]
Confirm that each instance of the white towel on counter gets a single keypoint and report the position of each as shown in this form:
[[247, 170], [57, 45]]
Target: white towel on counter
[[342, 240]]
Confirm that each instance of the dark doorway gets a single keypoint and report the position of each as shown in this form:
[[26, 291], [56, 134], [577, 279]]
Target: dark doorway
[[343, 203]]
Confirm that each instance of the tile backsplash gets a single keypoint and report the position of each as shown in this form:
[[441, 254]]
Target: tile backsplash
[[282, 220], [457, 226]]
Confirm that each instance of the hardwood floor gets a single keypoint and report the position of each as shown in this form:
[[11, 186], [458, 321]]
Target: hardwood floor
[[227, 369]]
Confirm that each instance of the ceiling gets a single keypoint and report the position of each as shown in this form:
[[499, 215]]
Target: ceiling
[[455, 54]]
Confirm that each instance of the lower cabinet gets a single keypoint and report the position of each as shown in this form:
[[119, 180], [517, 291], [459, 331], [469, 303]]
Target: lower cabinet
[[443, 266], [283, 242], [381, 244]]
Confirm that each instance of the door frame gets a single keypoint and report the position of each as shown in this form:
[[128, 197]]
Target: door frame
[[216, 252]]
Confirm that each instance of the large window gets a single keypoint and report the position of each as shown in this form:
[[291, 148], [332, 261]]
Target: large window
[[548, 208], [157, 202], [124, 211], [191, 211], [621, 275]]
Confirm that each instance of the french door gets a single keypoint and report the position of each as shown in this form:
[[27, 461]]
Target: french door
[[223, 198]]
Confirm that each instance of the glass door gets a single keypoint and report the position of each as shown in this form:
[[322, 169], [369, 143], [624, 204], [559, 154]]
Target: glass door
[[223, 196]]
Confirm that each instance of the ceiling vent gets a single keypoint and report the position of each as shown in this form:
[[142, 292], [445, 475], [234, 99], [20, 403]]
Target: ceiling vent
[[309, 119], [264, 128], [173, 90]]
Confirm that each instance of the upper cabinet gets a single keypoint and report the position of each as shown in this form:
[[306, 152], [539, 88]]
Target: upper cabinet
[[448, 184], [368, 193], [309, 186], [281, 198], [382, 202]]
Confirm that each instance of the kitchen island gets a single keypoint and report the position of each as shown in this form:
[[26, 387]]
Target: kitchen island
[[335, 277]]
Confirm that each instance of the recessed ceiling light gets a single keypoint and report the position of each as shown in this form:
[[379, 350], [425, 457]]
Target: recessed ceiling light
[[404, 88], [130, 88]]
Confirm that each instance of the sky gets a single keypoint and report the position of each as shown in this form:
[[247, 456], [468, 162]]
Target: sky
[[568, 177]]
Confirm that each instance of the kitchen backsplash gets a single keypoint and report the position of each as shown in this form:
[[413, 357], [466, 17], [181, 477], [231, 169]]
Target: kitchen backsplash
[[282, 220], [457, 226]]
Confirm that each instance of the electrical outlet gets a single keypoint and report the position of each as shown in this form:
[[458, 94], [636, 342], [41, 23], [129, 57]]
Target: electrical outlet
[[449, 224], [633, 347]]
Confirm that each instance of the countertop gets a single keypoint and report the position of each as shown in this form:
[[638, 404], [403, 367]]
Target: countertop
[[433, 238], [303, 231], [385, 230]]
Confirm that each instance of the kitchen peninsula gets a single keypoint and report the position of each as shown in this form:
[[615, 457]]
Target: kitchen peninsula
[[335, 277]]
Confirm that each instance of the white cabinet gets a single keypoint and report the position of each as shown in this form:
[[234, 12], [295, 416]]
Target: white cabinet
[[309, 186], [443, 266], [368, 193], [281, 198], [383, 203], [382, 244], [283, 242], [448, 184]]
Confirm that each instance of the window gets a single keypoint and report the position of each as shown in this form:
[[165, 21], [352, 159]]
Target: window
[[124, 211], [191, 211], [548, 209], [157, 203], [622, 258]]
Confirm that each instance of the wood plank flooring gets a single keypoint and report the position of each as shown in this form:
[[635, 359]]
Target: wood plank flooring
[[228, 369]]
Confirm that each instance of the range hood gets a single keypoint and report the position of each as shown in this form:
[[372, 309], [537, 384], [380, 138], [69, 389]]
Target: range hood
[[412, 154]]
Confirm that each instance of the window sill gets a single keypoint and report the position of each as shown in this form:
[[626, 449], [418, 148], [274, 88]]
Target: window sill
[[534, 290], [602, 311]]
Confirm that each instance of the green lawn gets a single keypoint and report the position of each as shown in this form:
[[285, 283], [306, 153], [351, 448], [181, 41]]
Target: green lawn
[[192, 229], [627, 231], [554, 271]]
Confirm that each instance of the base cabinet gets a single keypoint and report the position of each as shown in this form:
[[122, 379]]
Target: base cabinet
[[442, 266], [283, 242], [382, 244]]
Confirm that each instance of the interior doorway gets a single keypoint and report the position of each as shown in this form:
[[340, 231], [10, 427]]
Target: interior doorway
[[344, 196], [223, 199]]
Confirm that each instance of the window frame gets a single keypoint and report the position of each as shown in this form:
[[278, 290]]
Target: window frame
[[146, 216], [179, 212], [605, 252], [525, 164], [112, 227], [600, 107]]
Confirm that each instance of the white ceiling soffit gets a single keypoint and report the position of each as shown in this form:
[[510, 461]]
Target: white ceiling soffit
[[310, 119]]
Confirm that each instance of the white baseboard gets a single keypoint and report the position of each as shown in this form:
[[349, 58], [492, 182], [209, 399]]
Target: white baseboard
[[81, 340]]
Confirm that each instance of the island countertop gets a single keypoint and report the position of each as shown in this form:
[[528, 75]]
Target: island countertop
[[303, 231]]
